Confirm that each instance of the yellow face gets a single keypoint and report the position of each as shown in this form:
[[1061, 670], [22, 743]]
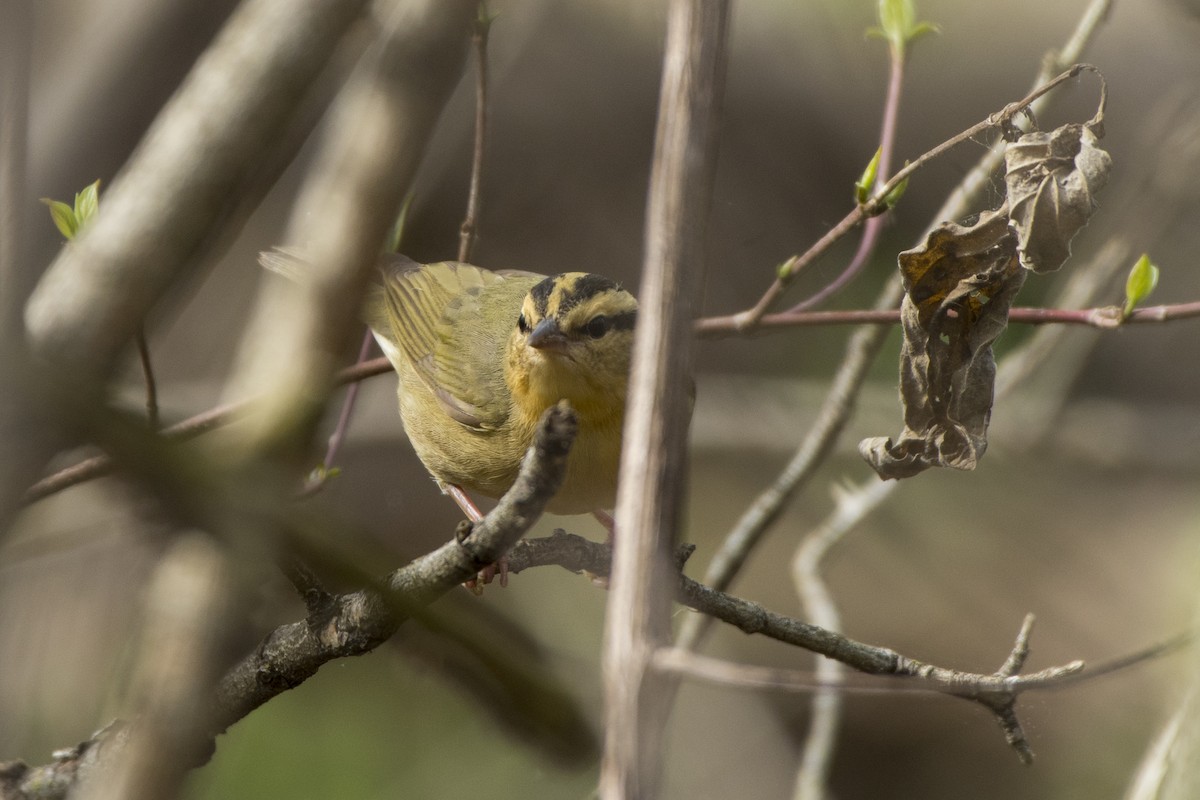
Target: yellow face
[[572, 341]]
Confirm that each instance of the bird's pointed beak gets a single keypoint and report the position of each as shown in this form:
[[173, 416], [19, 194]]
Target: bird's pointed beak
[[548, 336]]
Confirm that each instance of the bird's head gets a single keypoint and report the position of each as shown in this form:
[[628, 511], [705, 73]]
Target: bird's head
[[572, 340]]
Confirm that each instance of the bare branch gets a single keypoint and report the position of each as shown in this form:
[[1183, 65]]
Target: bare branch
[[650, 490], [360, 621], [24, 452], [143, 348], [351, 624], [479, 38], [749, 320], [163, 208], [379, 129], [864, 345], [185, 643], [99, 466], [1103, 317], [341, 429]]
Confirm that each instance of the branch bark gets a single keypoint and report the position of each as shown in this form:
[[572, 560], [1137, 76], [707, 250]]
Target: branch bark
[[379, 130], [652, 465], [172, 200]]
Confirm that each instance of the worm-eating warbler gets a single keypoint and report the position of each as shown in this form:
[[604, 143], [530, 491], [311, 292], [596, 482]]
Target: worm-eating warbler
[[481, 354]]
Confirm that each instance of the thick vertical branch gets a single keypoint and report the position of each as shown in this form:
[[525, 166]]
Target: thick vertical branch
[[14, 134], [652, 466], [21, 446]]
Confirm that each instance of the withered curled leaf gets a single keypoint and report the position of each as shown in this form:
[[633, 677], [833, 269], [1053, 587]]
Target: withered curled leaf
[[1052, 179], [959, 286]]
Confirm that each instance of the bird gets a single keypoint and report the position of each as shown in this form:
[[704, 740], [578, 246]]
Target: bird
[[481, 354]]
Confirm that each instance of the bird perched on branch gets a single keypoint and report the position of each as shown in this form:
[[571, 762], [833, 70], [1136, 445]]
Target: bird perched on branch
[[481, 354]]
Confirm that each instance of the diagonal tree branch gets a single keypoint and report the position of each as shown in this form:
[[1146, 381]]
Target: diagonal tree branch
[[360, 621], [174, 197]]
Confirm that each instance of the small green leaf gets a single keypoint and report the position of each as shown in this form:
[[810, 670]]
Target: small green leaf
[[1141, 282], [87, 203], [862, 188], [63, 216], [898, 25], [484, 18], [784, 270], [893, 197]]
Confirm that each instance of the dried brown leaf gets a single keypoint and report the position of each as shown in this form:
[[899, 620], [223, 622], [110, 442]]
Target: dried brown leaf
[[1052, 179], [959, 287]]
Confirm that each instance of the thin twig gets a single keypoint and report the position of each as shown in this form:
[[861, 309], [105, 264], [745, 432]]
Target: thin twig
[[749, 319], [864, 345], [820, 608], [99, 466], [1099, 317], [148, 377], [293, 652], [362, 620], [1107, 317], [855, 504], [873, 228], [479, 39], [816, 759], [338, 437]]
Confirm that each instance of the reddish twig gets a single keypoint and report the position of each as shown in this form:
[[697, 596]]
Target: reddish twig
[[1099, 317], [751, 318]]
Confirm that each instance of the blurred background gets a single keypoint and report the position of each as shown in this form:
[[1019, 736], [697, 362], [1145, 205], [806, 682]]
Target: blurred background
[[1090, 522]]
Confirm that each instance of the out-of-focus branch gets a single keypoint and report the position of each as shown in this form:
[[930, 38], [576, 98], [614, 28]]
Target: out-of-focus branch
[[23, 452], [143, 347], [99, 466], [162, 208], [749, 319], [360, 621], [380, 126], [861, 350], [15, 43], [170, 202], [355, 623], [651, 483], [185, 646]]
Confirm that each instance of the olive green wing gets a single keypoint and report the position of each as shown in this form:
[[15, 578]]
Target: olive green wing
[[451, 322]]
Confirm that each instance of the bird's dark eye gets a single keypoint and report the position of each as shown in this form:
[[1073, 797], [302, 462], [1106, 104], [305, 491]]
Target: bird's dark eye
[[598, 326], [522, 324]]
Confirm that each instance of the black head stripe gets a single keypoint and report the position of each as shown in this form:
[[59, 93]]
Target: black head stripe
[[540, 294], [623, 321], [584, 289]]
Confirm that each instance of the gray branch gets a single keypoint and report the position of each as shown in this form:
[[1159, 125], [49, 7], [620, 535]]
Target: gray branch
[[349, 624], [652, 463]]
